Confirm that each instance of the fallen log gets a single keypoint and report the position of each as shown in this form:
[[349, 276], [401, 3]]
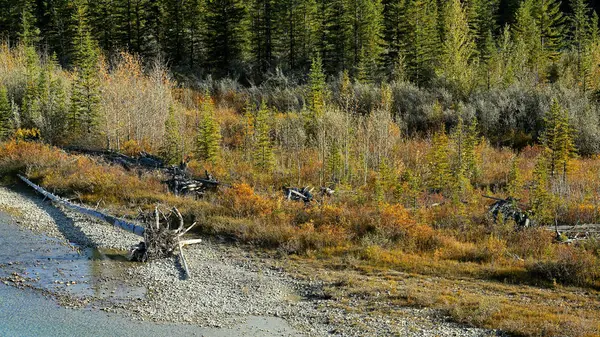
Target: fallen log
[[159, 240], [130, 227]]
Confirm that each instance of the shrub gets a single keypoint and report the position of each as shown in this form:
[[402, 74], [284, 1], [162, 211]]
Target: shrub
[[570, 266], [243, 202]]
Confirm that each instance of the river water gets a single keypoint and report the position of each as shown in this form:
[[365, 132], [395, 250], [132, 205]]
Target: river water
[[46, 262]]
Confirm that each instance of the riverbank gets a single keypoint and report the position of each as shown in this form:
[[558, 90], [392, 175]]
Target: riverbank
[[230, 285]]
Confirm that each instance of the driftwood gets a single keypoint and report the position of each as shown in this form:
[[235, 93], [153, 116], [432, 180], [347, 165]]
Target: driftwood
[[509, 209], [298, 194], [571, 234], [142, 161], [181, 183], [123, 224], [159, 239]]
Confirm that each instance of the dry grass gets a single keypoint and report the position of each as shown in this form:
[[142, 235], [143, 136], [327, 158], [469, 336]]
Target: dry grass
[[520, 310], [478, 273]]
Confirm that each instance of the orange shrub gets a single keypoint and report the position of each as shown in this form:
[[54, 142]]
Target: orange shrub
[[131, 148], [242, 201]]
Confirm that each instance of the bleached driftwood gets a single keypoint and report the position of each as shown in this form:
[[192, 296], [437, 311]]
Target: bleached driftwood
[[159, 240], [130, 227]]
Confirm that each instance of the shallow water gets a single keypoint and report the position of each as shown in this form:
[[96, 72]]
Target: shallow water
[[46, 262]]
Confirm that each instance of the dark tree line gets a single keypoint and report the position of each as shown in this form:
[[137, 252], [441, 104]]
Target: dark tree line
[[372, 40]]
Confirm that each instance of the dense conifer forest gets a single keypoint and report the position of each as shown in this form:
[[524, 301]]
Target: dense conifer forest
[[501, 62]]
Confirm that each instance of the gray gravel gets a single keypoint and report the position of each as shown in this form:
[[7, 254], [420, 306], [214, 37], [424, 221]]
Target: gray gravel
[[228, 284]]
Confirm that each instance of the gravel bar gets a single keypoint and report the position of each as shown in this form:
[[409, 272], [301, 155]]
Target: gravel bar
[[229, 284]]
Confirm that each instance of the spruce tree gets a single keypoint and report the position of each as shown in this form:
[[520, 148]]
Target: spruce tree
[[29, 32], [264, 16], [6, 126], [194, 17], [468, 158], [551, 25], [366, 22], [85, 95], [317, 88], [335, 35], [171, 151], [421, 40], [335, 166], [264, 158], [174, 29], [104, 21], [59, 28], [440, 175], [542, 201], [458, 47], [581, 40], [299, 29], [527, 37], [208, 144], [29, 37], [558, 139], [565, 144], [393, 19], [225, 35], [515, 180]]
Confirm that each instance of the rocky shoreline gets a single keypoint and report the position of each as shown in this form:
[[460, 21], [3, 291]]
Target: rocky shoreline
[[228, 286]]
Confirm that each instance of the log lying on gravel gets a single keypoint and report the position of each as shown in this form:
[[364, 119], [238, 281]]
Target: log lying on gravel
[[130, 227], [160, 240]]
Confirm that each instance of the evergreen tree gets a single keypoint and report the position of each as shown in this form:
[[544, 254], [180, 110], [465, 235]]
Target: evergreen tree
[[104, 23], [581, 40], [335, 35], [558, 139], [393, 19], [263, 151], [440, 176], [366, 21], [317, 88], [171, 150], [515, 180], [6, 126], [458, 47], [264, 16], [482, 17], [542, 201], [174, 28], [131, 17], [209, 136], [551, 25], [469, 157], [29, 37], [194, 18], [421, 40], [335, 166], [85, 95], [11, 17], [225, 34], [527, 36], [59, 28], [30, 33], [299, 27]]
